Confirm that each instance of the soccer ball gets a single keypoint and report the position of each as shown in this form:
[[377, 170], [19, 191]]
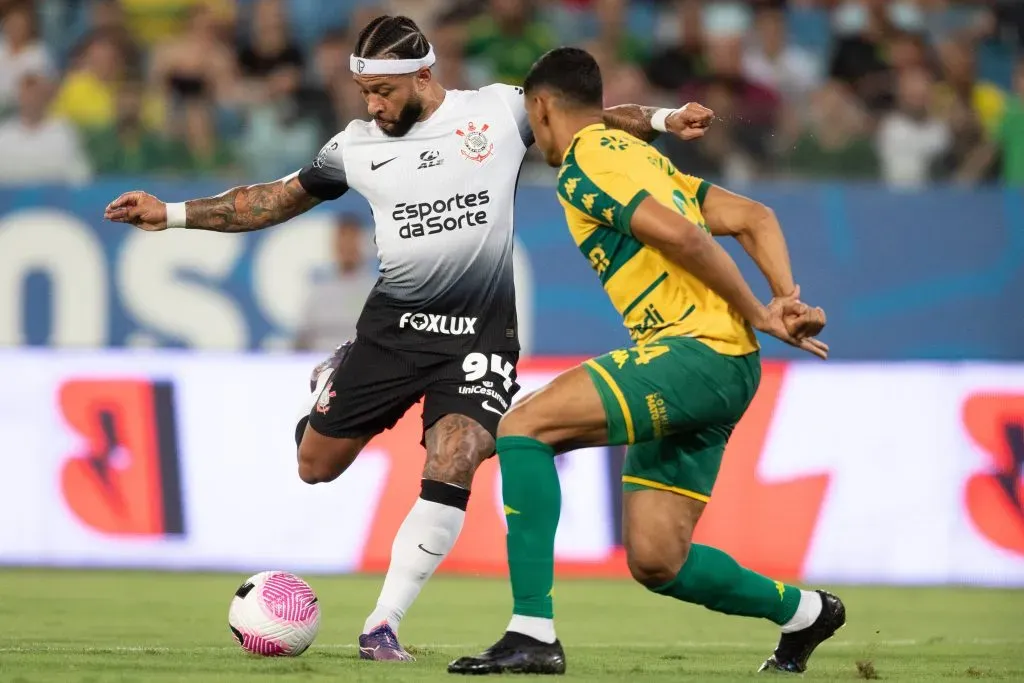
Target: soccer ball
[[274, 614]]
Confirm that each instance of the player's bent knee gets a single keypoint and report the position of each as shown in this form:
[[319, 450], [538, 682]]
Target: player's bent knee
[[309, 472], [521, 420], [511, 424], [653, 569], [318, 465], [654, 560], [314, 469]]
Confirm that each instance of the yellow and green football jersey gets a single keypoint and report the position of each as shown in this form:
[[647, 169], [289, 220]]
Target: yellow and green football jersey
[[604, 176]]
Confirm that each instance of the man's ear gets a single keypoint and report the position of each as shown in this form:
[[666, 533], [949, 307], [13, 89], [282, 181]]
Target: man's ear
[[423, 78], [543, 106]]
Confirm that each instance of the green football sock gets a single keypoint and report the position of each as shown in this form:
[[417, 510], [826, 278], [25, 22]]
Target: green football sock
[[713, 579], [533, 502]]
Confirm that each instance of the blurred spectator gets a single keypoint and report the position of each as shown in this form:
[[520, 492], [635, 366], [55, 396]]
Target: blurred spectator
[[1010, 133], [448, 38], [959, 69], [748, 110], [772, 62], [196, 72], [129, 146], [336, 299], [1009, 21], [910, 50], [37, 147], [424, 12], [268, 92], [87, 95], [271, 63], [507, 40], [947, 20], [108, 17], [911, 140], [153, 22], [614, 34], [672, 67], [973, 110], [858, 57], [21, 52], [280, 135], [327, 95], [836, 143]]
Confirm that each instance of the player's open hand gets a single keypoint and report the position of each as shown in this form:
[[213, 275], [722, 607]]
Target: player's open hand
[[690, 121], [140, 209], [794, 322]]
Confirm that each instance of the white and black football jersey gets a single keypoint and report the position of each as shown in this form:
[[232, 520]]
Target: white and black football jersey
[[442, 199]]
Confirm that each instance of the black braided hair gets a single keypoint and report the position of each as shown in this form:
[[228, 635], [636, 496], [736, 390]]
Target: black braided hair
[[388, 37]]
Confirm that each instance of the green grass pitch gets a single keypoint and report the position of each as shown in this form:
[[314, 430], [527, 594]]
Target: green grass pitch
[[99, 627]]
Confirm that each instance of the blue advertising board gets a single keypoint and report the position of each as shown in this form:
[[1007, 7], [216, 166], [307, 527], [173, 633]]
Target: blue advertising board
[[935, 274]]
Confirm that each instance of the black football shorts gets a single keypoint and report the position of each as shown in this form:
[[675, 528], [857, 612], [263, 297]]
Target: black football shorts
[[375, 386]]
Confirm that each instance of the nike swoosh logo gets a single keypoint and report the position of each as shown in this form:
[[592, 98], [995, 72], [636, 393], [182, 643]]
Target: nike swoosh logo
[[374, 167], [420, 546], [487, 406]]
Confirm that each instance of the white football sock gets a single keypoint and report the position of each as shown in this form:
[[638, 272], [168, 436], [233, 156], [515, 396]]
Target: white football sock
[[538, 628], [806, 612], [422, 542]]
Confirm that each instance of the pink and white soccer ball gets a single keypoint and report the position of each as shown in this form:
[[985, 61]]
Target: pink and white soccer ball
[[274, 614]]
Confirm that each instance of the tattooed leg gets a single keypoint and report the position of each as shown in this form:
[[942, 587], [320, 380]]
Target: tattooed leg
[[456, 445]]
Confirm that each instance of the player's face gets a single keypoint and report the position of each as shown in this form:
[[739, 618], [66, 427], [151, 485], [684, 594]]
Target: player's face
[[394, 102], [538, 109]]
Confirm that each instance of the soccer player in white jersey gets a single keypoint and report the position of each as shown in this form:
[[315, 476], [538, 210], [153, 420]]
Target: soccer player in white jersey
[[439, 169]]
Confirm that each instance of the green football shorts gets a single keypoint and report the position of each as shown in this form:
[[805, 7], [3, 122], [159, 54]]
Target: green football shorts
[[675, 402]]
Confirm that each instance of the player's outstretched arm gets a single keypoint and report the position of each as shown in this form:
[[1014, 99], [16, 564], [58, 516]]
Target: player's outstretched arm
[[687, 245], [240, 209], [689, 122], [757, 230]]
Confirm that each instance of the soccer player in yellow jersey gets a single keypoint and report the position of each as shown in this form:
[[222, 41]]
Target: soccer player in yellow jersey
[[674, 397]]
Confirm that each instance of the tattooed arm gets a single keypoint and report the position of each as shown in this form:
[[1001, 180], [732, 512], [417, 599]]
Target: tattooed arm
[[632, 118], [255, 207], [240, 209], [687, 122]]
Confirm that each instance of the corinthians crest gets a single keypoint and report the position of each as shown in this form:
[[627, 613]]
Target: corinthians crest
[[323, 402], [476, 146]]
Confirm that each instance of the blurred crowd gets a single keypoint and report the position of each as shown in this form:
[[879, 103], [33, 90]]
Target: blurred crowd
[[904, 91]]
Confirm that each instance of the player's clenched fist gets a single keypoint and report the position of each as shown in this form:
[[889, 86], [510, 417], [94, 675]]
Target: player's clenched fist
[[138, 208], [807, 323], [690, 121]]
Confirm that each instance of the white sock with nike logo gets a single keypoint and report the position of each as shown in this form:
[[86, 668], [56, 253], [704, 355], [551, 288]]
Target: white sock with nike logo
[[426, 536]]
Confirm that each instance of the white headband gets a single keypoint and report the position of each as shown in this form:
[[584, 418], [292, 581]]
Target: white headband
[[390, 67]]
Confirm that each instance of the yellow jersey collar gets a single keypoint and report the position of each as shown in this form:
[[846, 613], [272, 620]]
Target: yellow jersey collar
[[580, 133]]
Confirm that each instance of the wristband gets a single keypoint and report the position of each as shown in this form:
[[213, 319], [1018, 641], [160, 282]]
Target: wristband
[[176, 215], [658, 119]]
